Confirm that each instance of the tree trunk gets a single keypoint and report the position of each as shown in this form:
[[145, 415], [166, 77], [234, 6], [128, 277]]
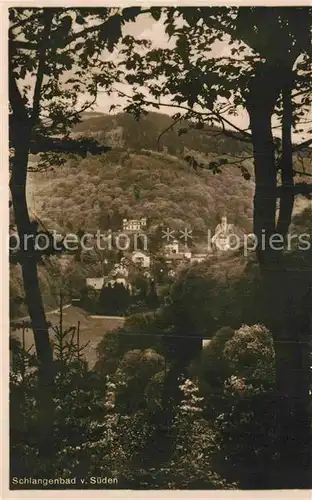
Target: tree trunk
[[292, 361], [260, 103], [287, 192], [31, 287], [288, 316]]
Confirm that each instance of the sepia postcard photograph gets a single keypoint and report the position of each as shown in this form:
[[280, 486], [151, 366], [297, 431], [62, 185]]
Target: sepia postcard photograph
[[159, 238]]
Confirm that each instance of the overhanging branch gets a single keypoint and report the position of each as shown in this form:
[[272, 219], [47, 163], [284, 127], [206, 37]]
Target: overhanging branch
[[245, 136]]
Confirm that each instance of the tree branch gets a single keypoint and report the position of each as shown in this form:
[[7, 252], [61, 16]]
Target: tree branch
[[19, 44], [231, 134], [304, 174], [246, 136], [166, 130], [42, 48], [300, 188], [303, 145], [41, 144], [75, 36], [75, 114], [22, 22]]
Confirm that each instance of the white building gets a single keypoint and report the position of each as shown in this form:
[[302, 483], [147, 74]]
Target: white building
[[171, 248], [134, 225], [96, 283], [141, 259]]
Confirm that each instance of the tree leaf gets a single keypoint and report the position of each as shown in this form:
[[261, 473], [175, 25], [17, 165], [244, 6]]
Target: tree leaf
[[156, 13]]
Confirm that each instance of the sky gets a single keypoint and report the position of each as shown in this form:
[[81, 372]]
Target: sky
[[146, 27]]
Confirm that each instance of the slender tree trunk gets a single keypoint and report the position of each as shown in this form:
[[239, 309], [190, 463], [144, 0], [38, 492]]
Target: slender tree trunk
[[33, 296], [287, 192]]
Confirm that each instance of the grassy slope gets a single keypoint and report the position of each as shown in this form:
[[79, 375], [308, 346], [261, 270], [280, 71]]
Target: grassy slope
[[91, 330]]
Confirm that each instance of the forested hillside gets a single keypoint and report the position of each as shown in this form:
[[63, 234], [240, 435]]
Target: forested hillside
[[98, 192], [132, 181], [123, 131], [136, 180]]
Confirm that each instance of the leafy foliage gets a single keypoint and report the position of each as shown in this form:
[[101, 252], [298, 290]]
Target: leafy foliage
[[208, 85]]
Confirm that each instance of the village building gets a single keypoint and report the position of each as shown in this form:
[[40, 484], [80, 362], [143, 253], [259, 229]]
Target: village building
[[141, 259], [171, 248], [95, 283], [134, 225]]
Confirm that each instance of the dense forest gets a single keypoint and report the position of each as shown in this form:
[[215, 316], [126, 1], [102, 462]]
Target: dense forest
[[157, 131], [162, 188], [135, 180]]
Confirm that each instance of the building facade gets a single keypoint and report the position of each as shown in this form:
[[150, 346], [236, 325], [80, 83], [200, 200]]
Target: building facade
[[171, 248], [133, 225], [141, 259], [95, 283]]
